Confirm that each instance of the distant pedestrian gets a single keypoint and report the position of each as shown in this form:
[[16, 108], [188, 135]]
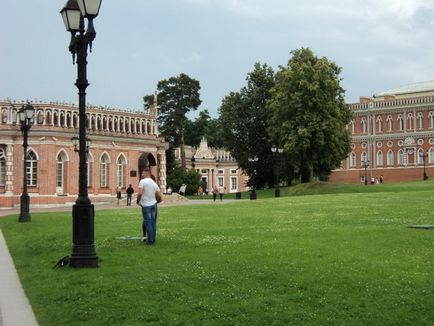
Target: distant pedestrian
[[381, 179], [119, 195], [130, 192], [215, 192], [222, 192]]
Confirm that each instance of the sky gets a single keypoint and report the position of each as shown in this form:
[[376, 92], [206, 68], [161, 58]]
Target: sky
[[379, 44]]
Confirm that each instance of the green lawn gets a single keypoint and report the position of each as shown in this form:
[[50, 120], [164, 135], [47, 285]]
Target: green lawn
[[344, 258]]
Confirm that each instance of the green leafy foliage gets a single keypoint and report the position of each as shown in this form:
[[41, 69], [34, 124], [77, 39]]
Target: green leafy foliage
[[244, 121], [176, 97], [308, 114], [191, 178]]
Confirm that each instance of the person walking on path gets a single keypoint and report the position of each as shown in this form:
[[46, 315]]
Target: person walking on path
[[130, 192], [215, 192], [119, 195], [148, 196], [221, 192]]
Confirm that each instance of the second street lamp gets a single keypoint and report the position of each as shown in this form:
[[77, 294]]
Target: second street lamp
[[365, 164], [73, 14], [25, 115], [277, 151]]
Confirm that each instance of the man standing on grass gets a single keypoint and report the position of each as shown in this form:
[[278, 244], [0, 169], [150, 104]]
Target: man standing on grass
[[148, 197], [130, 192]]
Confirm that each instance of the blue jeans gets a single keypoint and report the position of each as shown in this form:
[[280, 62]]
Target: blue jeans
[[149, 214]]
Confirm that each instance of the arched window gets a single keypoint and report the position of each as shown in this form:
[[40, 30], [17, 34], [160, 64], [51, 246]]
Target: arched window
[[400, 157], [2, 167], [103, 171], [48, 118], [89, 170], [379, 158], [60, 172], [420, 158], [55, 118], [390, 158], [410, 121], [4, 117], [420, 120], [363, 123], [379, 124], [400, 122], [31, 168], [353, 160], [389, 123], [431, 155], [431, 119], [363, 158], [40, 118], [353, 127], [120, 171]]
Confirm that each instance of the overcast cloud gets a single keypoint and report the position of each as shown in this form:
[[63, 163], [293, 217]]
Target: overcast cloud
[[379, 44]]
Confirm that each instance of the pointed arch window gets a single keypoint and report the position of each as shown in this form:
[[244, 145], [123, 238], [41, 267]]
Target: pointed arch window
[[353, 160], [420, 157], [390, 158], [353, 127], [363, 158], [120, 171], [420, 120], [379, 158], [431, 156], [401, 157], [410, 121], [2, 167], [389, 123], [31, 168], [103, 171], [363, 123], [431, 119], [400, 122], [379, 124]]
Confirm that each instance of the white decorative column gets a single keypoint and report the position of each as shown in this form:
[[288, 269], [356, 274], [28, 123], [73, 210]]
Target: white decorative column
[[9, 184]]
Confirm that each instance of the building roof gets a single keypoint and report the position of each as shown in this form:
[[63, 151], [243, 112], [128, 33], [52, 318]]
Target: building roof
[[420, 87]]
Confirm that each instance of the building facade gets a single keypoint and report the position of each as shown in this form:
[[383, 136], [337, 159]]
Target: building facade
[[216, 166], [392, 136], [122, 143]]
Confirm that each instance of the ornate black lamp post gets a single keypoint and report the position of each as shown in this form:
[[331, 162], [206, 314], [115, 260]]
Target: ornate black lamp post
[[365, 164], [25, 115], [277, 151], [73, 14], [253, 161]]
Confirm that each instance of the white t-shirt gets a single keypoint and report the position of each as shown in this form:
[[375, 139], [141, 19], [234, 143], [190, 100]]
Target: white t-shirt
[[149, 188]]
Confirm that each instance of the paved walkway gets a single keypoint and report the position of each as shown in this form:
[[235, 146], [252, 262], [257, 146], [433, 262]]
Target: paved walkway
[[15, 309]]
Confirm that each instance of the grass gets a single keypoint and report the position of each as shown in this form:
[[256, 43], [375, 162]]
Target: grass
[[342, 258]]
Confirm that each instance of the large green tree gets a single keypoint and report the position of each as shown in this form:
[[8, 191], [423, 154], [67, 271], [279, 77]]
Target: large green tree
[[204, 126], [309, 115], [244, 120], [176, 97]]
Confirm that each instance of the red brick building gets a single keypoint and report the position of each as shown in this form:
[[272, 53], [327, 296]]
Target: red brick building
[[122, 142], [393, 132]]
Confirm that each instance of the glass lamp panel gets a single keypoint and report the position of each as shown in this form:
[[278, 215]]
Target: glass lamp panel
[[30, 111], [71, 16], [89, 8], [22, 115]]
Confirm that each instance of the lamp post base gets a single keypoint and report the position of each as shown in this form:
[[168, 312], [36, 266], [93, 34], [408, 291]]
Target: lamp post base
[[24, 208], [83, 249]]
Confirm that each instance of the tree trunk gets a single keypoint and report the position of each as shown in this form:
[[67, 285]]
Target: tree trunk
[[183, 164], [306, 173]]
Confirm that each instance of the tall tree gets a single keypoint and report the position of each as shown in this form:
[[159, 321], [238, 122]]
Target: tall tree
[[309, 115], [176, 97], [203, 126], [244, 120]]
